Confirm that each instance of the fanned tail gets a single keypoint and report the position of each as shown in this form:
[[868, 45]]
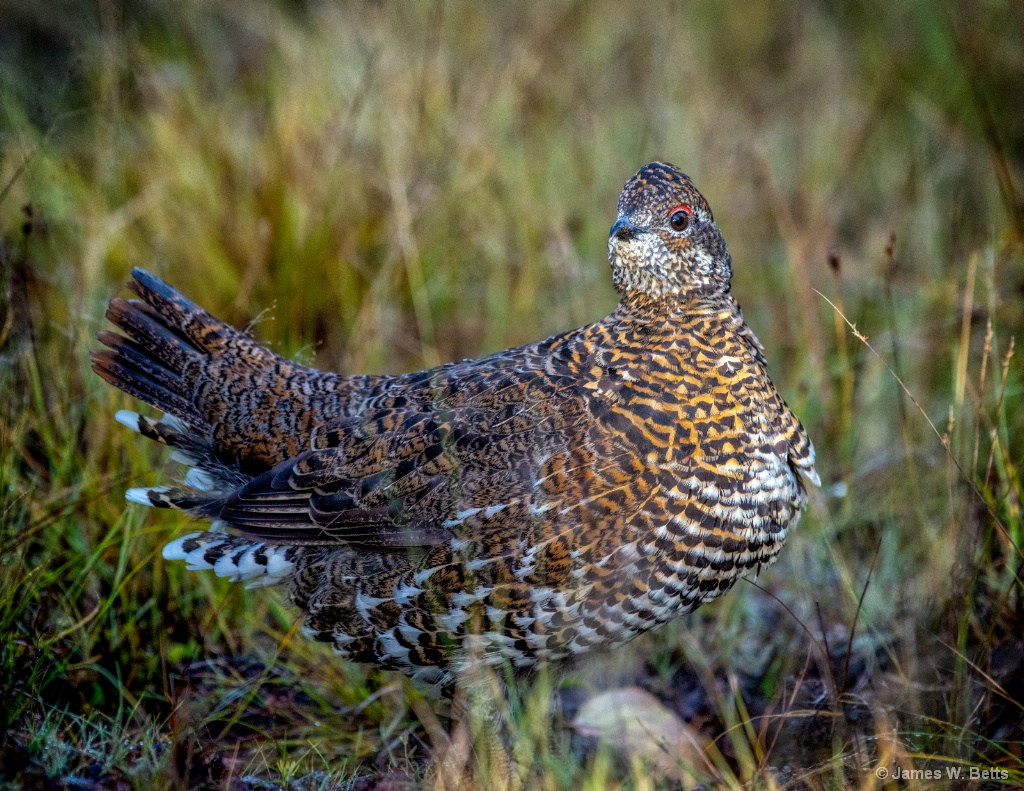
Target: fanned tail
[[168, 340], [172, 354]]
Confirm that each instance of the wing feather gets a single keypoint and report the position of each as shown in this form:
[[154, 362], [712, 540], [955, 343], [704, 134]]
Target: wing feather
[[399, 474]]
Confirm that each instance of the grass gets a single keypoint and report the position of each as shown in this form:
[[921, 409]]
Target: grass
[[382, 188]]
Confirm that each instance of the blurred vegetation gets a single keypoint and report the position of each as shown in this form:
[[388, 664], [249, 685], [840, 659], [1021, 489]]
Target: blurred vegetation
[[384, 186]]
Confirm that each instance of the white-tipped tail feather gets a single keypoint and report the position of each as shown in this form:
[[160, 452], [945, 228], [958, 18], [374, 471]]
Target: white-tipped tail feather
[[140, 494], [128, 418], [236, 557], [147, 426], [200, 479], [206, 478], [164, 430]]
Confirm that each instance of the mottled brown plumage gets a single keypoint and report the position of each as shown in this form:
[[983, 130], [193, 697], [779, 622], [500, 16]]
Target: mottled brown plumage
[[541, 502]]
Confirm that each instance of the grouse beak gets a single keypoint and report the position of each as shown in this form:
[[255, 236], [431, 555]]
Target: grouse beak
[[623, 229]]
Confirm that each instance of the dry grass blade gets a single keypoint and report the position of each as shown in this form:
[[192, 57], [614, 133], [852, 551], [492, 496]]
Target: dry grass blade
[[968, 479]]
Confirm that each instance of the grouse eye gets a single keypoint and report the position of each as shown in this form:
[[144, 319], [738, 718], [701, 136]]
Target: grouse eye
[[679, 217]]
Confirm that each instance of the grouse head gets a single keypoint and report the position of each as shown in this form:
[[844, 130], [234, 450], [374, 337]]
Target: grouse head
[[664, 242]]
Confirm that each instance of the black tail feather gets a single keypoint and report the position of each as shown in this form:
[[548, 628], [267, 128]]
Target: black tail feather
[[119, 371], [150, 329], [136, 355], [178, 313]]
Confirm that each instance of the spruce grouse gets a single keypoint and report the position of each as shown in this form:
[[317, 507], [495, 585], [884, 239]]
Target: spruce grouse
[[538, 503]]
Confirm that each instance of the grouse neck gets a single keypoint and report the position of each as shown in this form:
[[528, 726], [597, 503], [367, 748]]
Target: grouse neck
[[643, 305]]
